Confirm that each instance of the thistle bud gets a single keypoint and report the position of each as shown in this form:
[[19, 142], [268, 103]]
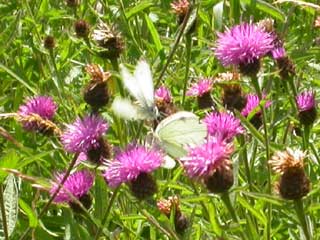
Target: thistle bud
[[250, 68], [284, 63], [85, 200], [144, 186], [73, 3], [82, 28], [164, 101], [222, 178], [202, 90], [307, 107], [103, 151], [49, 42]]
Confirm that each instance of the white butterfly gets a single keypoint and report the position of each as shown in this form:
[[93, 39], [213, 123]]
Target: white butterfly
[[140, 86], [178, 131]]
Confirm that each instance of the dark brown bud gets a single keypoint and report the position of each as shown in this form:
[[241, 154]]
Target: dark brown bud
[[181, 222], [294, 184], [86, 202], [144, 186], [308, 117], [73, 3], [81, 28], [49, 42], [96, 92], [96, 155], [286, 67], [221, 180], [233, 97], [205, 101], [250, 69]]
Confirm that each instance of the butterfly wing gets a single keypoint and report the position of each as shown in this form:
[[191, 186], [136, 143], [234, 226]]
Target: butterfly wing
[[140, 86], [143, 76], [125, 109], [180, 130]]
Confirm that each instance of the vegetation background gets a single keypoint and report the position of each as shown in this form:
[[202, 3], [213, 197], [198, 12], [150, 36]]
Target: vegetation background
[[150, 30]]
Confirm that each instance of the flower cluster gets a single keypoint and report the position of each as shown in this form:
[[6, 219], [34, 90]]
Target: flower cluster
[[200, 88], [36, 115], [84, 134], [242, 44], [223, 125], [44, 106], [163, 94], [130, 163], [203, 160], [253, 102], [77, 185]]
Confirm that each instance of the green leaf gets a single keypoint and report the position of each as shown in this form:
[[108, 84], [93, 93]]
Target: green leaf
[[138, 8], [265, 197], [258, 214], [101, 196], [9, 160], [154, 33], [10, 198], [267, 8], [218, 16], [213, 219], [19, 79], [33, 221]]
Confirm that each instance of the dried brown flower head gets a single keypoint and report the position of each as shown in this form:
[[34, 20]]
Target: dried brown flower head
[[226, 77], [281, 161], [41, 125], [166, 205], [107, 37], [180, 7], [293, 183], [96, 73], [266, 24], [96, 92]]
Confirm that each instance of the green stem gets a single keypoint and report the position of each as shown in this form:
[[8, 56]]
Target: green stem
[[3, 214], [175, 45], [115, 66], [298, 206], [106, 215], [155, 223], [292, 86], [306, 136], [46, 207], [266, 139], [186, 76], [244, 158], [225, 197]]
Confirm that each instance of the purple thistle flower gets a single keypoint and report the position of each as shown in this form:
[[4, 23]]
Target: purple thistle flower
[[223, 125], [128, 164], [84, 134], [78, 184], [198, 89], [253, 102], [306, 101], [242, 44], [43, 106], [278, 53], [163, 94], [203, 160]]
